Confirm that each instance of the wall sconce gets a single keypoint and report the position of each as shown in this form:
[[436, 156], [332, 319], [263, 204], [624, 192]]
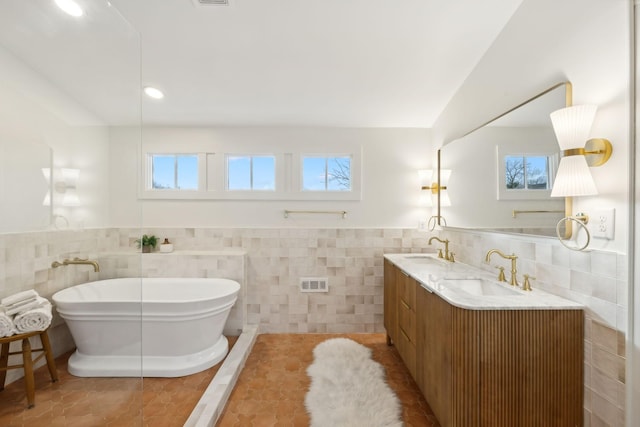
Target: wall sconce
[[429, 183], [68, 187], [572, 126], [436, 193]]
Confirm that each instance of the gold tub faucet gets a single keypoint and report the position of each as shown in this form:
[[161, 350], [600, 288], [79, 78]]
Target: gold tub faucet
[[76, 260], [512, 257]]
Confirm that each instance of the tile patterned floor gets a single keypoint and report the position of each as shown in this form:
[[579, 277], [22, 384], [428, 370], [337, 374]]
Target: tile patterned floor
[[270, 391], [103, 402], [272, 386]]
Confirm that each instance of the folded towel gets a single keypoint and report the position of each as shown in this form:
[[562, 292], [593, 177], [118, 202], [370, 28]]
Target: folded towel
[[20, 296], [36, 319], [7, 328], [22, 306]]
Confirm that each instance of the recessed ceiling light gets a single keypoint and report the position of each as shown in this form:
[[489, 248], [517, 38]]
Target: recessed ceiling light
[[70, 7], [154, 93]]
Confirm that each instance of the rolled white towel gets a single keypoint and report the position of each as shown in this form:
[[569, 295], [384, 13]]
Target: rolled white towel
[[22, 306], [20, 296], [7, 328], [36, 319]]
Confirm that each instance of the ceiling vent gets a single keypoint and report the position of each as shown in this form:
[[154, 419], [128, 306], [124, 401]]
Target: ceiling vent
[[211, 2]]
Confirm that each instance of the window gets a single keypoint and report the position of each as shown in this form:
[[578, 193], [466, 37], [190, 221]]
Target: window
[[326, 173], [245, 171], [174, 171], [526, 172], [257, 173], [525, 176]]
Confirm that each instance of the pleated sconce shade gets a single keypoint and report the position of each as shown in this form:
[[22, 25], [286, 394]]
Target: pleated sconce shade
[[572, 126]]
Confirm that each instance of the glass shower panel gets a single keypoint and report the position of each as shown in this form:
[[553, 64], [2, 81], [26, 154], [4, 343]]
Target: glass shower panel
[[69, 100]]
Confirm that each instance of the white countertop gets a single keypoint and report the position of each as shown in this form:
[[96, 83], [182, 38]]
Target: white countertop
[[441, 277]]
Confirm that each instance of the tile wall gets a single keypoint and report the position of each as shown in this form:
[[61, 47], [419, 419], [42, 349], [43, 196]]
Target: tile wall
[[352, 261], [25, 263]]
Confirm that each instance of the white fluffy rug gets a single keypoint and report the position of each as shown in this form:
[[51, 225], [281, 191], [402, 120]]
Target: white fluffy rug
[[348, 388]]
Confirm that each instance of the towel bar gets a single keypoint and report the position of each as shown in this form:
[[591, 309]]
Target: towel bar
[[343, 213], [516, 212]]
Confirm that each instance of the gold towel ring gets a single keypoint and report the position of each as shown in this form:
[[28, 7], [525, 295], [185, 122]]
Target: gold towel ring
[[582, 224], [434, 219]]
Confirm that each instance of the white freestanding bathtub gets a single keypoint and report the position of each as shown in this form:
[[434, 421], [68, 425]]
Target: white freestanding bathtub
[[151, 327]]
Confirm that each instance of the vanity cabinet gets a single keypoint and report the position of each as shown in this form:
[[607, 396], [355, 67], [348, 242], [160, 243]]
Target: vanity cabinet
[[483, 367], [390, 302], [399, 313], [406, 339]]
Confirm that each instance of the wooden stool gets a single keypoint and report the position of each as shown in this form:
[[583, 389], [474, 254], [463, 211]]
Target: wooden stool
[[27, 361]]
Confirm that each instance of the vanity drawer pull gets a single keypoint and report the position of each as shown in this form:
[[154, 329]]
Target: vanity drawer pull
[[405, 304], [405, 335]]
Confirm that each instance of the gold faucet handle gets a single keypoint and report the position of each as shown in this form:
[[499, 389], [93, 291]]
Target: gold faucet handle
[[440, 253], [452, 257], [501, 276], [526, 286]]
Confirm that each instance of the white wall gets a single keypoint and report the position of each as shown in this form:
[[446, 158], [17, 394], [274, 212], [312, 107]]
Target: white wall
[[34, 111], [546, 42], [390, 160]]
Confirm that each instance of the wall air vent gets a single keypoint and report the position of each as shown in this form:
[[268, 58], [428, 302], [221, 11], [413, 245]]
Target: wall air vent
[[211, 2], [314, 284]]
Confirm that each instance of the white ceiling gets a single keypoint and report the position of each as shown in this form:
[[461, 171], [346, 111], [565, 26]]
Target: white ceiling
[[360, 63]]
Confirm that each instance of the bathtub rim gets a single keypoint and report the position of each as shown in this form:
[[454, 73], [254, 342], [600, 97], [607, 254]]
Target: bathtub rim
[[63, 296]]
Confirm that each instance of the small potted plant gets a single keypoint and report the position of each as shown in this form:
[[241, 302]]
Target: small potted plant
[[147, 242]]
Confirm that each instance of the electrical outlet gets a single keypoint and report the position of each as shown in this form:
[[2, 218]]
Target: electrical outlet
[[602, 223]]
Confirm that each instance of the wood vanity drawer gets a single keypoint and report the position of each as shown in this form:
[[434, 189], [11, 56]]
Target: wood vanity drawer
[[407, 350], [406, 289], [407, 321]]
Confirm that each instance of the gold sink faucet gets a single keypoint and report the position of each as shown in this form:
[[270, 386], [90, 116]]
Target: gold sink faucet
[[447, 255], [512, 257], [76, 260]]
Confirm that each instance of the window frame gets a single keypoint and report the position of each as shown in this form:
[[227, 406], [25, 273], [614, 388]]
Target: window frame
[[326, 158], [148, 192], [251, 157], [151, 156], [504, 193]]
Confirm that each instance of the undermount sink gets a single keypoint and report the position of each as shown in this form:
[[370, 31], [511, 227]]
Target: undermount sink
[[478, 286], [423, 259]]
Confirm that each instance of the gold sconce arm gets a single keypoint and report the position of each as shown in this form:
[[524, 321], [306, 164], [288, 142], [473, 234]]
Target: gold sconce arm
[[434, 187], [596, 151]]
